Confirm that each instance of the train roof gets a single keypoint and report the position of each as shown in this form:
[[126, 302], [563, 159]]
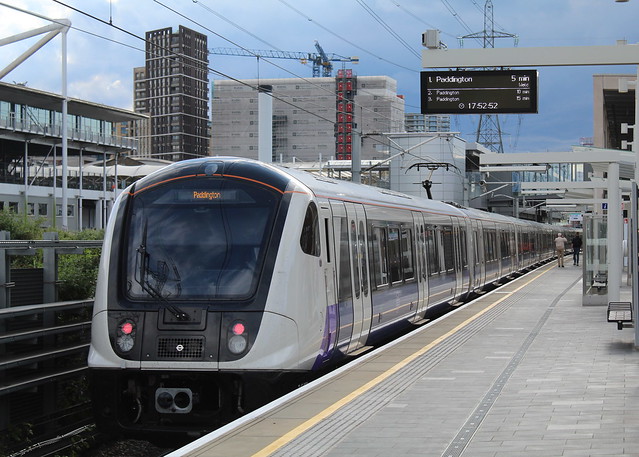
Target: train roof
[[325, 187]]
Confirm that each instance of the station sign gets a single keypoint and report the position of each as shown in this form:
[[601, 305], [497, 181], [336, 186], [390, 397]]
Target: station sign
[[479, 92]]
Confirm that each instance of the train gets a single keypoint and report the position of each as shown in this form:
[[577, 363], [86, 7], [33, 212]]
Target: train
[[223, 279]]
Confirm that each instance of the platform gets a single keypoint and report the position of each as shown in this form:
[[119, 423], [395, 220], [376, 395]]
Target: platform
[[525, 370]]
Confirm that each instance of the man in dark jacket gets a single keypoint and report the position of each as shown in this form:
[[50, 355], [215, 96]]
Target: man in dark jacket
[[576, 247]]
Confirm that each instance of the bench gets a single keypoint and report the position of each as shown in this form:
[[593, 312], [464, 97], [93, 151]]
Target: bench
[[600, 281], [621, 313]]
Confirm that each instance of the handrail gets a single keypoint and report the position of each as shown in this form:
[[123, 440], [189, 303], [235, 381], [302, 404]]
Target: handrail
[[38, 244], [34, 309]]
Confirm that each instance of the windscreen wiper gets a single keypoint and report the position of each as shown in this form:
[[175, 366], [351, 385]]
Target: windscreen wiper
[[147, 287]]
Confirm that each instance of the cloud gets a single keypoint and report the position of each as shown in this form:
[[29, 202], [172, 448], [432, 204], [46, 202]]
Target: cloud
[[107, 89]]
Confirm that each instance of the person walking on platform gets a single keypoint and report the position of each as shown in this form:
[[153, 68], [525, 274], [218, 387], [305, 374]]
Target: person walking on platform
[[560, 246], [576, 247]]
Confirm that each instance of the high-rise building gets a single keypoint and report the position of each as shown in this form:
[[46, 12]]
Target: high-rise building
[[172, 88], [312, 118]]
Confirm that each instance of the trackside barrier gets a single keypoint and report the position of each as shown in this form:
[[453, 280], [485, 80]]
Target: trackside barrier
[[43, 350]]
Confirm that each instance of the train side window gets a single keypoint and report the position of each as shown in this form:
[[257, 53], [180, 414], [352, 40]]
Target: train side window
[[378, 251], [407, 254], [344, 288], [463, 242], [432, 250], [363, 257], [449, 249], [489, 248], [309, 239], [394, 255], [355, 258], [328, 240], [505, 249], [422, 251]]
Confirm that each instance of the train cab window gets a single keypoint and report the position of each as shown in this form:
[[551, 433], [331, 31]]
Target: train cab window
[[212, 253], [310, 239]]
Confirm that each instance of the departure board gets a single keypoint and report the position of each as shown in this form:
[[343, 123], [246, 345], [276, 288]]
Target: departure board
[[479, 92]]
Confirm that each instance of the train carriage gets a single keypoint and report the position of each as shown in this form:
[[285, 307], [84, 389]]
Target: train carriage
[[222, 277]]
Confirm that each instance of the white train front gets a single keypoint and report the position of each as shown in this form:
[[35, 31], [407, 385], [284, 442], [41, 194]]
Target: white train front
[[223, 280]]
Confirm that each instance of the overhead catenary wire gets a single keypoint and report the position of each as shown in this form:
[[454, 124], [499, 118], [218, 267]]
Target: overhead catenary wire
[[211, 70], [176, 56], [388, 28], [457, 17], [310, 81], [201, 4], [337, 35]]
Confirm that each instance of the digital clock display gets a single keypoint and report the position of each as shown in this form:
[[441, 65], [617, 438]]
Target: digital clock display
[[479, 92]]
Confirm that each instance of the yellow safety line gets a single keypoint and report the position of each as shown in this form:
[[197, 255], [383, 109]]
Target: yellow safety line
[[290, 436]]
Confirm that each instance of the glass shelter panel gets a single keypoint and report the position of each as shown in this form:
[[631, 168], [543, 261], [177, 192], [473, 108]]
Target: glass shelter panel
[[595, 260]]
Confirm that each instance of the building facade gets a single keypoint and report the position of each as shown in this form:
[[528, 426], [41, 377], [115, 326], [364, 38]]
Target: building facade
[[31, 156], [612, 109], [173, 89], [421, 123], [313, 119]]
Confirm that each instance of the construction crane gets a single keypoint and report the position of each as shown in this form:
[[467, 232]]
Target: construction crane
[[321, 61]]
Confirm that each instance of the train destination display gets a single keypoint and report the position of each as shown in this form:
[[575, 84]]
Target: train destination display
[[479, 92]]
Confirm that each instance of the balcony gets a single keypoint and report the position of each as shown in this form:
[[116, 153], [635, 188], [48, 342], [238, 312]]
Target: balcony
[[55, 131]]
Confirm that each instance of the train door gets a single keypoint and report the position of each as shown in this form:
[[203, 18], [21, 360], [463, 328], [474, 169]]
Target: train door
[[422, 266], [362, 306], [464, 256], [343, 276], [330, 278], [458, 264], [447, 255], [511, 247]]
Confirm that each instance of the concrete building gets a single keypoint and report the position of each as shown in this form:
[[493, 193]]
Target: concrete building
[[172, 88], [613, 108], [312, 118], [31, 156], [420, 123]]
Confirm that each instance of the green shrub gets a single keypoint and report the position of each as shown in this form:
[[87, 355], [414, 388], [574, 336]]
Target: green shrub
[[21, 226], [78, 273]]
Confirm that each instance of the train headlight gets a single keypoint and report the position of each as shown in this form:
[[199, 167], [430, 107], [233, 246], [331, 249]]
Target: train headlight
[[238, 338], [173, 400], [125, 335]]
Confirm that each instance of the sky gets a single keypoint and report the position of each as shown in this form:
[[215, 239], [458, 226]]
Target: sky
[[104, 46]]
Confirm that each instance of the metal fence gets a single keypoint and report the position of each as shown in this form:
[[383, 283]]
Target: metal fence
[[43, 350]]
